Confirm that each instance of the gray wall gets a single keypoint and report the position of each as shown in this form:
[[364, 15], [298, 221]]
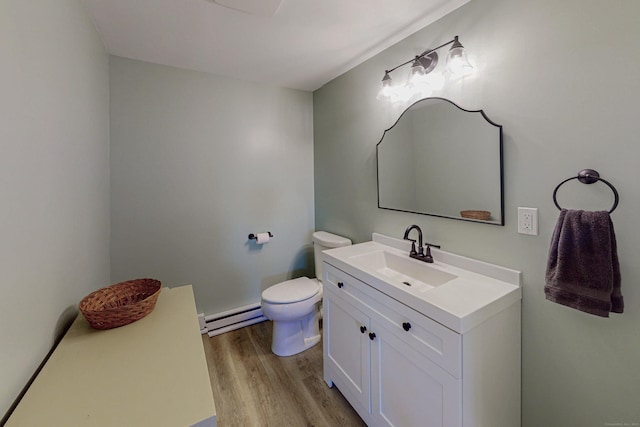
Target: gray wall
[[197, 163], [54, 177], [562, 79]]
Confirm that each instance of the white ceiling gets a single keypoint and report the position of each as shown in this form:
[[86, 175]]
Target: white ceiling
[[300, 44]]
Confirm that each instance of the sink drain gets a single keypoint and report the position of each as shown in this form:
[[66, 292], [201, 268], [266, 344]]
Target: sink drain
[[407, 283]]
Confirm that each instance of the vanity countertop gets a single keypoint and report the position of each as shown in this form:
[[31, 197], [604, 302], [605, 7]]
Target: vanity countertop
[[151, 372], [478, 291]]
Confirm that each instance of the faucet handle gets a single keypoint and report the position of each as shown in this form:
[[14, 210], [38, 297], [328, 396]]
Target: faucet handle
[[413, 247], [428, 257]]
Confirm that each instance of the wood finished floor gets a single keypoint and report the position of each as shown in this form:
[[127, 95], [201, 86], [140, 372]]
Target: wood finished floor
[[254, 387]]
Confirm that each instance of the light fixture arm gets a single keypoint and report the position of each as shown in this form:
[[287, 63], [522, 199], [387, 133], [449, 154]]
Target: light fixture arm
[[423, 54], [428, 51]]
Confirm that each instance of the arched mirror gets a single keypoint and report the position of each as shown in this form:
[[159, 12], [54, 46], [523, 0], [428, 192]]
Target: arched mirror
[[442, 160]]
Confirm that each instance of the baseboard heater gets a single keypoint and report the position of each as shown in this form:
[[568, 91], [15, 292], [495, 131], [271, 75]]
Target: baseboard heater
[[216, 324]]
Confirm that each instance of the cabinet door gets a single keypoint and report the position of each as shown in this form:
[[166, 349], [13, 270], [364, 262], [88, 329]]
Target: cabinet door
[[408, 389], [346, 352]]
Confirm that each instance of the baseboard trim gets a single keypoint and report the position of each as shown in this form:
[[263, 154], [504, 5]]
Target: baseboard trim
[[230, 320]]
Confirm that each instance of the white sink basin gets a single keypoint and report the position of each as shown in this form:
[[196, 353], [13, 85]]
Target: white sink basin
[[456, 291], [403, 271]]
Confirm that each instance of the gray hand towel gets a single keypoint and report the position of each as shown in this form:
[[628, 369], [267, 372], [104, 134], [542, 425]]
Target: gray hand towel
[[583, 270]]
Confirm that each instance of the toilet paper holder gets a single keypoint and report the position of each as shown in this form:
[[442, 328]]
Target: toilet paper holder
[[253, 236]]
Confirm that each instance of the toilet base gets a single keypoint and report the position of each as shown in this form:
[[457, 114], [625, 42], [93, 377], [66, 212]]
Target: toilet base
[[293, 337]]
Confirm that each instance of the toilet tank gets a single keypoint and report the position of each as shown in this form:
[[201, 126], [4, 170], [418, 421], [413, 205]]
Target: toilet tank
[[322, 241]]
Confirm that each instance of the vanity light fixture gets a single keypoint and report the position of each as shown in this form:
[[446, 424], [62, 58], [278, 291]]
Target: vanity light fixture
[[420, 81]]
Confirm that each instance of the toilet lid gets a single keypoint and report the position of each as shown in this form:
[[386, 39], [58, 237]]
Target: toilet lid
[[290, 291]]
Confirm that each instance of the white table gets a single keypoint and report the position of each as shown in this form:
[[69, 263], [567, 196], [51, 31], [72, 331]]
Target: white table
[[152, 372]]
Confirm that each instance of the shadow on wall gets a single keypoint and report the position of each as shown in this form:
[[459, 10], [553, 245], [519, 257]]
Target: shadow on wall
[[64, 323], [301, 266], [62, 326]]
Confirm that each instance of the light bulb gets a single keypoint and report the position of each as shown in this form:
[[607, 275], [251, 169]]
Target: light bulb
[[386, 91], [416, 73], [457, 62], [416, 86]]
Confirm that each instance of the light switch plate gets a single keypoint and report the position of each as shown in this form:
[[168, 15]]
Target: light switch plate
[[528, 221]]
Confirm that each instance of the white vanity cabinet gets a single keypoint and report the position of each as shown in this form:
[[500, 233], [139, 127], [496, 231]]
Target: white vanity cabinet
[[379, 366], [398, 367], [348, 348], [408, 389]]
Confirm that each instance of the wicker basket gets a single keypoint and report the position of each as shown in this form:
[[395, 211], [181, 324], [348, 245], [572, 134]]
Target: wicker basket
[[120, 304], [480, 215]]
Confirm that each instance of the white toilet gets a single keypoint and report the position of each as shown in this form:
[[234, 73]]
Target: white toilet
[[294, 305]]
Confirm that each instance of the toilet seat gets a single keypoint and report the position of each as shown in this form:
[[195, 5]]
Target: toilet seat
[[291, 291]]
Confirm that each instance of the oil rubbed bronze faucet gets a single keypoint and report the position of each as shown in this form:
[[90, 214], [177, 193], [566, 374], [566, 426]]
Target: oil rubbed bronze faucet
[[419, 254], [413, 252]]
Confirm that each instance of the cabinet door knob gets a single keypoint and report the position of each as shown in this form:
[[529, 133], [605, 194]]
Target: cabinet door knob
[[372, 336], [340, 285], [363, 329], [406, 326]]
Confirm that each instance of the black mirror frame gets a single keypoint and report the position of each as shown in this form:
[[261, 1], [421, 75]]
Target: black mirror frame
[[502, 219]]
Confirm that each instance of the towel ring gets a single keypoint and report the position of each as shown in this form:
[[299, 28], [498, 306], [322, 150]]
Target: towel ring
[[589, 176]]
